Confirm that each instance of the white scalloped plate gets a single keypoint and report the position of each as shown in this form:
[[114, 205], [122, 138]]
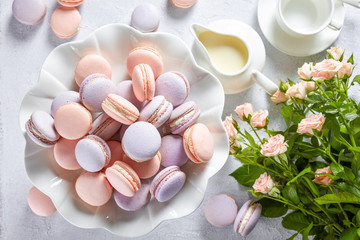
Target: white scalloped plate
[[57, 74]]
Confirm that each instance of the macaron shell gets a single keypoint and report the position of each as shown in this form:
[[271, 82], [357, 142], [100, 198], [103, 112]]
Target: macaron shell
[[116, 151], [90, 64], [120, 182], [70, 3], [40, 203], [198, 143], [93, 188], [143, 82], [251, 222], [72, 121], [183, 117], [183, 3], [125, 90], [157, 111], [221, 210], [145, 18], [146, 55], [145, 169], [64, 154], [63, 98], [29, 12], [138, 201], [104, 126], [120, 109], [172, 151], [65, 21]]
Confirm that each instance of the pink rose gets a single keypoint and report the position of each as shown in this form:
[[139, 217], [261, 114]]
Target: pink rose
[[322, 179], [230, 129], [296, 91], [336, 52], [326, 69], [305, 72], [345, 70], [308, 124], [259, 119], [263, 184], [279, 97], [244, 109], [274, 146], [308, 85]]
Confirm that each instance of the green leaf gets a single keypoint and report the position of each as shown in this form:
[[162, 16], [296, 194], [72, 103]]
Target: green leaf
[[356, 79], [355, 149], [312, 187], [287, 112], [357, 218], [306, 231], [295, 221], [250, 139], [351, 116], [350, 189], [349, 234], [351, 59], [351, 208], [272, 208], [290, 193], [303, 172], [293, 236], [341, 197], [247, 174]]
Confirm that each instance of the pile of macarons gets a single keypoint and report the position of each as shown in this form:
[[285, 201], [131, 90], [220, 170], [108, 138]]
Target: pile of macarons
[[132, 138], [222, 210]]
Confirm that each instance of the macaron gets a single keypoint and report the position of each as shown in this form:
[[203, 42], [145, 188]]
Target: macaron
[[157, 111], [247, 217], [92, 153], [90, 64], [172, 151], [145, 18], [40, 203], [143, 82], [183, 3], [65, 21], [120, 109], [64, 154], [221, 210], [145, 169], [70, 3], [41, 129], [145, 55], [63, 98], [198, 143], [94, 89], [123, 178], [174, 86], [141, 141], [183, 117], [122, 131], [138, 201], [104, 126], [167, 183], [125, 90], [93, 188], [116, 151], [72, 121], [29, 12]]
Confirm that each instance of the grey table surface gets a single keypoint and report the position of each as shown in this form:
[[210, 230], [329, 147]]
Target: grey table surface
[[23, 50]]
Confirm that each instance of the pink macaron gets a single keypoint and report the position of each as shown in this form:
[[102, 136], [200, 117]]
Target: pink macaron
[[247, 217], [174, 86], [116, 151], [120, 109], [104, 126], [198, 143], [145, 169], [40, 203], [123, 178], [157, 111], [64, 154], [93, 188], [145, 55], [72, 121], [70, 3], [90, 64], [65, 21], [143, 82], [172, 151], [183, 117], [138, 201], [183, 3], [221, 210]]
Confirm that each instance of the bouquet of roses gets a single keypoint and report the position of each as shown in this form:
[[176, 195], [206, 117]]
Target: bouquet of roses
[[308, 173]]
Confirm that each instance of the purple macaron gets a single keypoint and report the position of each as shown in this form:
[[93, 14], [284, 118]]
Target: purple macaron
[[172, 151], [167, 183], [92, 153], [125, 90], [174, 86], [183, 117], [221, 210], [247, 217], [138, 201], [145, 18], [104, 126], [41, 130], [63, 98], [94, 89], [141, 141], [157, 111], [29, 12]]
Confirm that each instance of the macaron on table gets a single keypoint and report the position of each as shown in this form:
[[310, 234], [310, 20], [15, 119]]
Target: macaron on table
[[29, 64]]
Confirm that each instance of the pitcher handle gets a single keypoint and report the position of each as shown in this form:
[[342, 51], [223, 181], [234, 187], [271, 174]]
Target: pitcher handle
[[269, 86]]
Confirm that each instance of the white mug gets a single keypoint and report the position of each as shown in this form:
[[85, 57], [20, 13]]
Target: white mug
[[301, 18]]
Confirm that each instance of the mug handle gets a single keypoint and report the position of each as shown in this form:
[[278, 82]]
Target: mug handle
[[354, 3], [335, 25], [269, 86]]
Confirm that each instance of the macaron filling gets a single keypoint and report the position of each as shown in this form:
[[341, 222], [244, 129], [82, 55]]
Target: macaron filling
[[127, 175], [103, 148], [247, 215], [163, 180], [159, 112], [37, 133], [145, 77], [124, 112], [181, 120]]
